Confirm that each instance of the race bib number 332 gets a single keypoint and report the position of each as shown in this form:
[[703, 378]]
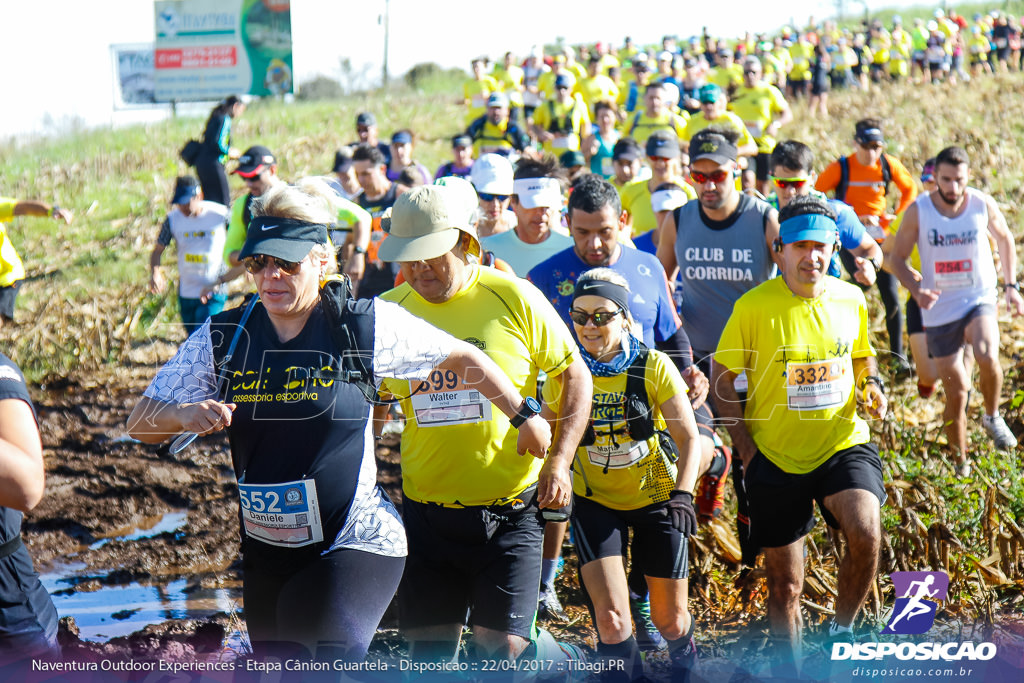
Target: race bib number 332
[[819, 385]]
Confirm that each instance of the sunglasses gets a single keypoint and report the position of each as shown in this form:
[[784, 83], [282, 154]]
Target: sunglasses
[[795, 183], [872, 145], [488, 197], [660, 158], [600, 318], [717, 177], [256, 264]]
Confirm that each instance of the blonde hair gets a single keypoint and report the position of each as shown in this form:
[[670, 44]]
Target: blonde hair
[[311, 200]]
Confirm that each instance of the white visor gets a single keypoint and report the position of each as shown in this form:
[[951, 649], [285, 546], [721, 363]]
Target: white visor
[[666, 200], [534, 192]]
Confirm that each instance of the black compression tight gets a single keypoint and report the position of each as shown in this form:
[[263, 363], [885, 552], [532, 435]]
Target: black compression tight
[[331, 607]]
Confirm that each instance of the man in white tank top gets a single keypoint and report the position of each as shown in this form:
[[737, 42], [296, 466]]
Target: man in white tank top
[[957, 290]]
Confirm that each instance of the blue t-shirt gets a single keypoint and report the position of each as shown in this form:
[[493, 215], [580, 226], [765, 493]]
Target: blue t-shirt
[[650, 302]]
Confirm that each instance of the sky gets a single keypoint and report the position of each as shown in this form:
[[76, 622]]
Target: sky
[[59, 71]]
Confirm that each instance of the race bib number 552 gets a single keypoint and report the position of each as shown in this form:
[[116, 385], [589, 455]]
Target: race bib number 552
[[286, 515]]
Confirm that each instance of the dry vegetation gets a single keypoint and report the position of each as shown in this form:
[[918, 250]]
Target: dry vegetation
[[85, 314]]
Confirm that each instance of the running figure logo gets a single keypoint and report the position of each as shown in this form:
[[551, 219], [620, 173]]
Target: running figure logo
[[914, 611]]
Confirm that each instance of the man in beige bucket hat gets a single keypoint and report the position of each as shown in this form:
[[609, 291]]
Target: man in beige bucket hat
[[472, 505]]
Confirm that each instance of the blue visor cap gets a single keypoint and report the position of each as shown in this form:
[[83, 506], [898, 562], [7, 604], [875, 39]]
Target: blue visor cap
[[812, 227]]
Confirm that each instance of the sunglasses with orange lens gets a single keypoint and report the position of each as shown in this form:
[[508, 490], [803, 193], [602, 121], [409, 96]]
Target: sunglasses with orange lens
[[717, 177], [795, 183]]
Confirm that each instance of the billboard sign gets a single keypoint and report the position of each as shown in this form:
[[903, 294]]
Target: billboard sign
[[133, 75], [208, 49]]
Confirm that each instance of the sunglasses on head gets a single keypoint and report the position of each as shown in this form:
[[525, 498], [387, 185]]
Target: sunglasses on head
[[717, 177], [256, 264], [600, 318], [488, 197], [795, 183]]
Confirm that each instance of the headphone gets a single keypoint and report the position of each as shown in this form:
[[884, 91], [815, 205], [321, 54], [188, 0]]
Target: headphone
[[777, 245]]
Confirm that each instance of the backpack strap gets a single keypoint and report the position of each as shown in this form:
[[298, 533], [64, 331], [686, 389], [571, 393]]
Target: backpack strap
[[636, 403], [351, 326], [886, 172], [844, 179], [237, 317]]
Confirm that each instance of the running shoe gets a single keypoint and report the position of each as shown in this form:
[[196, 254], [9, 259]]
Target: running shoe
[[1001, 435], [684, 661], [549, 606], [902, 370], [648, 639], [711, 491]]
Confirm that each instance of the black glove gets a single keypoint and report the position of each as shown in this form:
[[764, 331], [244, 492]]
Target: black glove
[[679, 509]]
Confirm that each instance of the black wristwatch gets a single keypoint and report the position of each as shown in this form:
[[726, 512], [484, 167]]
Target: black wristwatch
[[873, 379], [1012, 285], [530, 407], [358, 249], [877, 264]]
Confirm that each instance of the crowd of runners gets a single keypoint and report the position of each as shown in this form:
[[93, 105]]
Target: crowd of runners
[[613, 278]]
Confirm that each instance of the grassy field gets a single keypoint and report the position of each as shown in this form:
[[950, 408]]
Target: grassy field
[[85, 312]]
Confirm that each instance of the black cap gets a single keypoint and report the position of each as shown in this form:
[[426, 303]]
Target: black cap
[[254, 161], [284, 238], [866, 134], [342, 160], [626, 149], [713, 146], [663, 143], [185, 188], [366, 119], [462, 140]]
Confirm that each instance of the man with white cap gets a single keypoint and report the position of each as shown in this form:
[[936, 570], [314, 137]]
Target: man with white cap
[[495, 132], [491, 176], [472, 504], [537, 203]]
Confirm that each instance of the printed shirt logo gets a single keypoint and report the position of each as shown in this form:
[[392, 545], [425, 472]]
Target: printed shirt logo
[[7, 372], [565, 287], [914, 611], [264, 228]]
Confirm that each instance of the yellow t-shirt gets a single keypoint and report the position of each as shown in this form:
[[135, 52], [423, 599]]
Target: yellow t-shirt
[[802, 53], [697, 123], [798, 356], [624, 474], [639, 125], [456, 447], [555, 114], [511, 82], [757, 108], [476, 93], [636, 200], [726, 77], [11, 267], [600, 88]]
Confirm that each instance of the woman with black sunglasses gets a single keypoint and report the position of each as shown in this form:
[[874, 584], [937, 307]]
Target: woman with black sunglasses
[[324, 548], [635, 470]]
